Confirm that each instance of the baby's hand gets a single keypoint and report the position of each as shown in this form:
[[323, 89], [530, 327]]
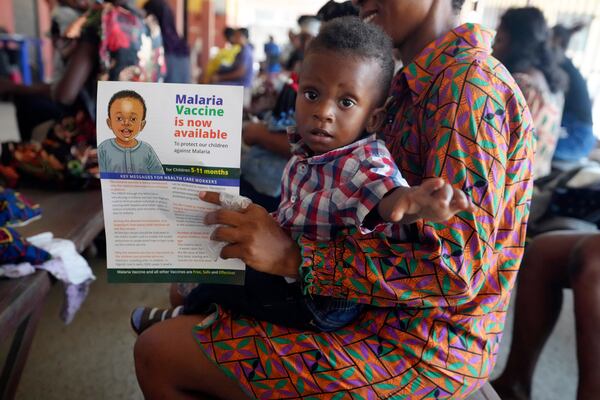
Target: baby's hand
[[433, 200], [443, 203]]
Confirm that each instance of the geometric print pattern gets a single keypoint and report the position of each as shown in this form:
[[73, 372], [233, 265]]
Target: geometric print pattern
[[438, 300]]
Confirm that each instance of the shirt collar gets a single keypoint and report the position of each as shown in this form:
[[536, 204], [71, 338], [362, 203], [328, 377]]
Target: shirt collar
[[113, 141], [461, 42], [301, 150]]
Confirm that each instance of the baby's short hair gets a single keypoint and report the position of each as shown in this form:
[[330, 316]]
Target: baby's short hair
[[127, 94], [352, 37]]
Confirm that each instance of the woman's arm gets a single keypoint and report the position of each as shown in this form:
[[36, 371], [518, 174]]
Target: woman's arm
[[9, 87], [79, 68], [67, 89], [257, 133], [235, 74]]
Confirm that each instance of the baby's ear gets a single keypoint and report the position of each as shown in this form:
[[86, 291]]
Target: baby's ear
[[142, 125], [376, 120], [108, 123]]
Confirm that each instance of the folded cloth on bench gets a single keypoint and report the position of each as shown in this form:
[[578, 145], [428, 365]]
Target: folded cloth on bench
[[76, 269], [16, 270], [66, 265]]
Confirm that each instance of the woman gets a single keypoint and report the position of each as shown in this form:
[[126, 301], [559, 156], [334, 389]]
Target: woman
[[523, 44], [33, 109], [437, 302], [115, 44], [553, 262]]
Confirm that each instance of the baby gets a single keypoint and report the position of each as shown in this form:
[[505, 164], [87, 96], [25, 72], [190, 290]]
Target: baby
[[124, 153], [340, 175]]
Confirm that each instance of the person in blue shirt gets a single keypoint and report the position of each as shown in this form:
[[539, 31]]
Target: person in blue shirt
[[273, 53], [579, 139], [124, 153]]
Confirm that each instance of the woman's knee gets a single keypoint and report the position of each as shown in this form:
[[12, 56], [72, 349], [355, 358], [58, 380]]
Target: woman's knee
[[585, 262], [548, 255], [539, 258], [142, 352], [150, 349]]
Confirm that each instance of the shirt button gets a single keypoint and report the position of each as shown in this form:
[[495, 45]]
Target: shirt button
[[293, 198], [302, 169]]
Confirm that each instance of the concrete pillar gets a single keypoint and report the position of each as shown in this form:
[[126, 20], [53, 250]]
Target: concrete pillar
[[7, 16], [207, 30]]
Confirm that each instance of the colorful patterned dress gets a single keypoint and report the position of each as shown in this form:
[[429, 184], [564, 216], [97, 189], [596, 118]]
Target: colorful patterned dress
[[438, 301]]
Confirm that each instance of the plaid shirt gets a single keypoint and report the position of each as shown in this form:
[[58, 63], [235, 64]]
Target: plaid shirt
[[324, 193]]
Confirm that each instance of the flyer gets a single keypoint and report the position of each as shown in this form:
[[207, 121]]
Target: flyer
[[159, 145]]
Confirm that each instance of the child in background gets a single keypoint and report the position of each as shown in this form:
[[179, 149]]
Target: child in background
[[340, 175], [124, 153]]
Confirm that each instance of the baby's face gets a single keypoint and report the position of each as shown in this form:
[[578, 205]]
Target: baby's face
[[336, 97], [126, 119]]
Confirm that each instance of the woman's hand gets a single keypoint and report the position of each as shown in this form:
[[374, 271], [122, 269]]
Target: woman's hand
[[255, 238]]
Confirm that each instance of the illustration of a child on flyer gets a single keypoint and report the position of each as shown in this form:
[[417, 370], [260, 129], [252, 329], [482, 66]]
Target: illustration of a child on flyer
[[124, 153]]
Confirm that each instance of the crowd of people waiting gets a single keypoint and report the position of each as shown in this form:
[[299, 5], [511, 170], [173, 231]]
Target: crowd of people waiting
[[383, 315]]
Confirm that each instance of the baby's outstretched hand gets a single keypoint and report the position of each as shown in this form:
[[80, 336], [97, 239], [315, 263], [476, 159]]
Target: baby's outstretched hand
[[433, 200], [443, 203]]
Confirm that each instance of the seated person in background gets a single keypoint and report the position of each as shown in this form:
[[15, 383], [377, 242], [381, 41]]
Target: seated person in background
[[67, 20], [100, 54], [33, 105], [225, 57], [241, 72], [552, 262], [268, 149], [300, 41], [578, 138], [340, 175], [124, 153], [523, 45]]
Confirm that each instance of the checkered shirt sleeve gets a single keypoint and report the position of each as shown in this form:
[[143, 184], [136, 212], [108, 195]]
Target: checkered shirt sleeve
[[338, 189]]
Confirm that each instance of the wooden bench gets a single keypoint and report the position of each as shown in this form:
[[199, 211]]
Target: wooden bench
[[76, 216]]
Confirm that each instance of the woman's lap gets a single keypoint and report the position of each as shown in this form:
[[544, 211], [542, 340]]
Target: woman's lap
[[270, 361], [166, 358]]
